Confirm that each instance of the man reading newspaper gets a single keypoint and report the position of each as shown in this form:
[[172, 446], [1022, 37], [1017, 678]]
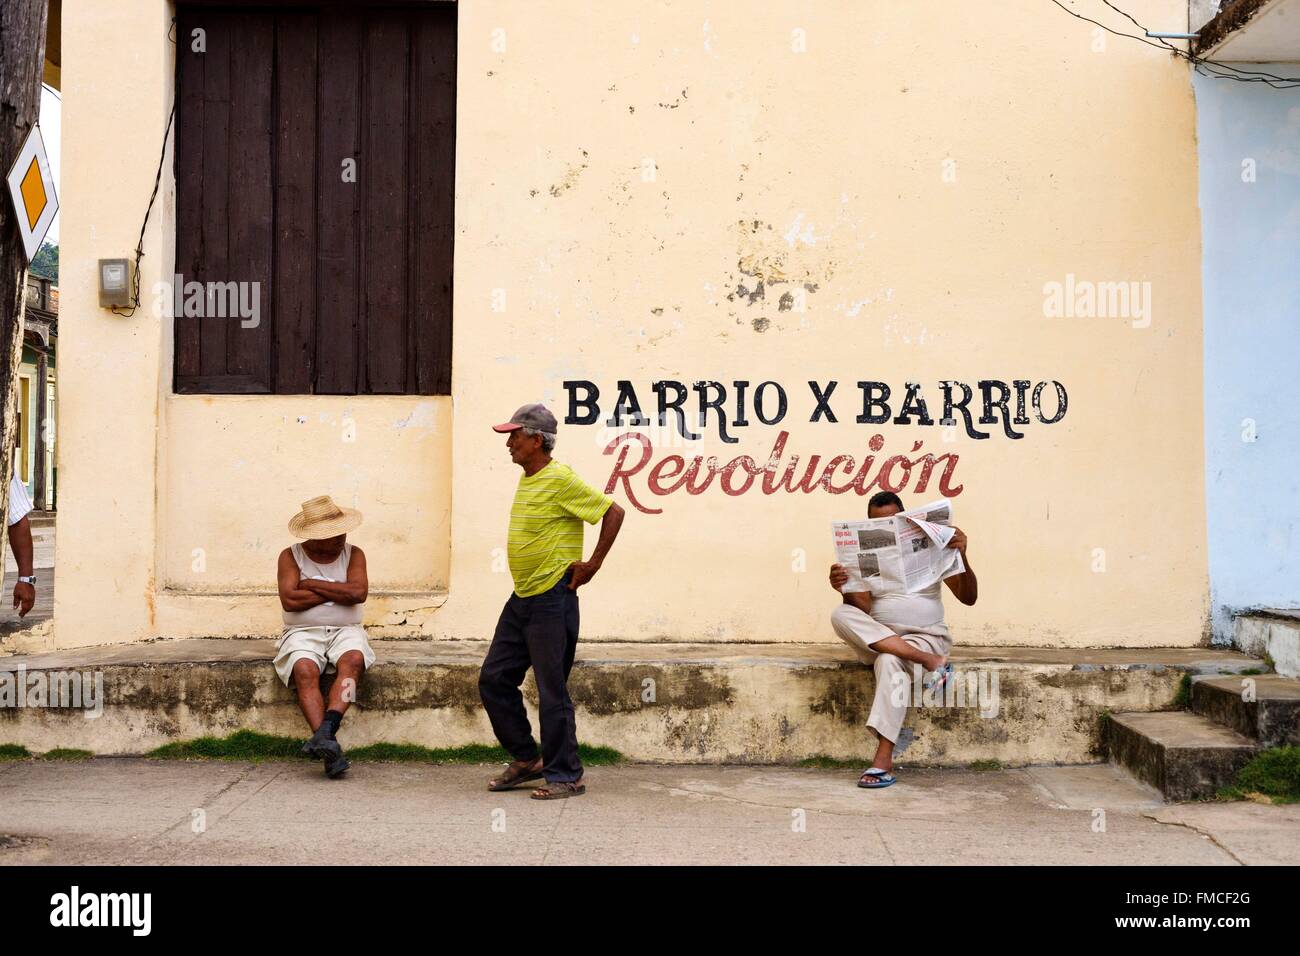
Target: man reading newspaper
[[888, 570]]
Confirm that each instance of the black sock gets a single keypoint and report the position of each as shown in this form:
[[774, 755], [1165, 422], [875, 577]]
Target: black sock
[[332, 720]]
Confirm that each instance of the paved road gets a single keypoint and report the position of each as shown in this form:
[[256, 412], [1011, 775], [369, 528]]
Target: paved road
[[131, 810]]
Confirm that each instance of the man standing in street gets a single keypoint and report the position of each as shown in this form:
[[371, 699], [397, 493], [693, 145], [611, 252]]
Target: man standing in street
[[538, 627]]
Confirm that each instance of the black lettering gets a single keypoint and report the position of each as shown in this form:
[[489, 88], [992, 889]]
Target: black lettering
[[823, 401], [1004, 395], [949, 405], [680, 391], [913, 405], [588, 402], [716, 404], [874, 395]]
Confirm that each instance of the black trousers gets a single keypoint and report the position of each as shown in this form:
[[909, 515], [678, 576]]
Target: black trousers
[[540, 632]]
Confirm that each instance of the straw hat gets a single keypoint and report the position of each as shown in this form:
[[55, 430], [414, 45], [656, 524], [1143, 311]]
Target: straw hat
[[322, 518]]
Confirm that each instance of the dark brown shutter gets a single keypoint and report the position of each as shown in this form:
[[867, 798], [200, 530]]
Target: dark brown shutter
[[295, 204], [355, 277], [338, 208]]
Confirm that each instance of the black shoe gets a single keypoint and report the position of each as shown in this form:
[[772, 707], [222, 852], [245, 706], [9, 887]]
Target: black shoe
[[336, 766], [322, 745]]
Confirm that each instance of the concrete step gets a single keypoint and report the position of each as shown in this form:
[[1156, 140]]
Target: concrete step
[[1273, 633], [1263, 706], [1185, 756], [670, 702]]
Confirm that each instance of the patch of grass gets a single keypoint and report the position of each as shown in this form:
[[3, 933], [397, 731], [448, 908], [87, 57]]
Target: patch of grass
[[599, 756], [1250, 672], [823, 762], [986, 765], [414, 753], [67, 753], [1272, 773], [14, 752], [241, 745], [252, 746], [1183, 699]]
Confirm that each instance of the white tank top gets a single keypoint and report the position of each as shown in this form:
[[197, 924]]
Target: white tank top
[[922, 609], [331, 613]]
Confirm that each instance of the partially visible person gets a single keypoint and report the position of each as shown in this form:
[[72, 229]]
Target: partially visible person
[[323, 589], [20, 542], [897, 632]]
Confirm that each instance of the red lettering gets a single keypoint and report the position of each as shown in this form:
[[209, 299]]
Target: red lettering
[[620, 473]]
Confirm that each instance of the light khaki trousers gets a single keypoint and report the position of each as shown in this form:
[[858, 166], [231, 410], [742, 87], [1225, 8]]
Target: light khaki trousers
[[894, 676]]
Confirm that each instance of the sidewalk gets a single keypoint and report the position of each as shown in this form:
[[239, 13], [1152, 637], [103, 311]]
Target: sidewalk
[[132, 810]]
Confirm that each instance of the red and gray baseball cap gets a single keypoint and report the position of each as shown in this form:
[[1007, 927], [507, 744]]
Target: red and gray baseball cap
[[537, 417]]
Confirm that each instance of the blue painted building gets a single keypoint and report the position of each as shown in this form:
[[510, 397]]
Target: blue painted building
[[1249, 145]]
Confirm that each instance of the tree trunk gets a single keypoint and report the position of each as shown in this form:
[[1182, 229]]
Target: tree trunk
[[22, 56]]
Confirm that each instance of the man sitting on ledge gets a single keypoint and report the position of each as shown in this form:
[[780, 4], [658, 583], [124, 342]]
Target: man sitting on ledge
[[323, 588], [897, 632]]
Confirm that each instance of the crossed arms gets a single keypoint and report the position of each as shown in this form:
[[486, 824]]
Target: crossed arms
[[298, 593]]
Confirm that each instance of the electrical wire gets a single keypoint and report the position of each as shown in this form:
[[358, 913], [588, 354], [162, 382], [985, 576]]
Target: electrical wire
[[1202, 65], [139, 246]]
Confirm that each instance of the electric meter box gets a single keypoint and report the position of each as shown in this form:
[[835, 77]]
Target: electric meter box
[[114, 283]]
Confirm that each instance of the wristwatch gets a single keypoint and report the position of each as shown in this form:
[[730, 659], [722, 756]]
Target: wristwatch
[[28, 579]]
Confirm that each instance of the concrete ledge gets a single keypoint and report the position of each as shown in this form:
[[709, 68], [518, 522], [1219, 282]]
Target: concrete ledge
[[1270, 712], [1271, 632], [691, 703], [1185, 756]]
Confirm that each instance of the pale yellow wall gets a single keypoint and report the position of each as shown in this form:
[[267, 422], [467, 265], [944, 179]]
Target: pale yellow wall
[[116, 96], [234, 468], [268, 454], [177, 504], [1067, 161]]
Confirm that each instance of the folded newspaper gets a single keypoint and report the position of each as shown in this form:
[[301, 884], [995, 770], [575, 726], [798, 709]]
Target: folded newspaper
[[904, 552]]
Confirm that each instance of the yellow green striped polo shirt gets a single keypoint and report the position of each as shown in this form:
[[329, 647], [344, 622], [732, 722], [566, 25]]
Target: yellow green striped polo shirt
[[546, 526]]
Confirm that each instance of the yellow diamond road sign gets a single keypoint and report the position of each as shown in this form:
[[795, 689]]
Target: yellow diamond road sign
[[33, 194], [31, 187]]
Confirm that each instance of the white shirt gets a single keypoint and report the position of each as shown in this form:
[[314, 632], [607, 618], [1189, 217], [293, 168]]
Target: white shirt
[[19, 504], [918, 609], [331, 613]]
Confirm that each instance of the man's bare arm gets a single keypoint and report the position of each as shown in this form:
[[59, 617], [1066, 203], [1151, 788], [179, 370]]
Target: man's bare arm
[[964, 586], [584, 571], [20, 540], [859, 599], [609, 526]]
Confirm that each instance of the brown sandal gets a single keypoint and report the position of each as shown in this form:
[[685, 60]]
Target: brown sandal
[[560, 790], [515, 775]]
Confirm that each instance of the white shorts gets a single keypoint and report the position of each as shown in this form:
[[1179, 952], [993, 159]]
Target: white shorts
[[321, 645]]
